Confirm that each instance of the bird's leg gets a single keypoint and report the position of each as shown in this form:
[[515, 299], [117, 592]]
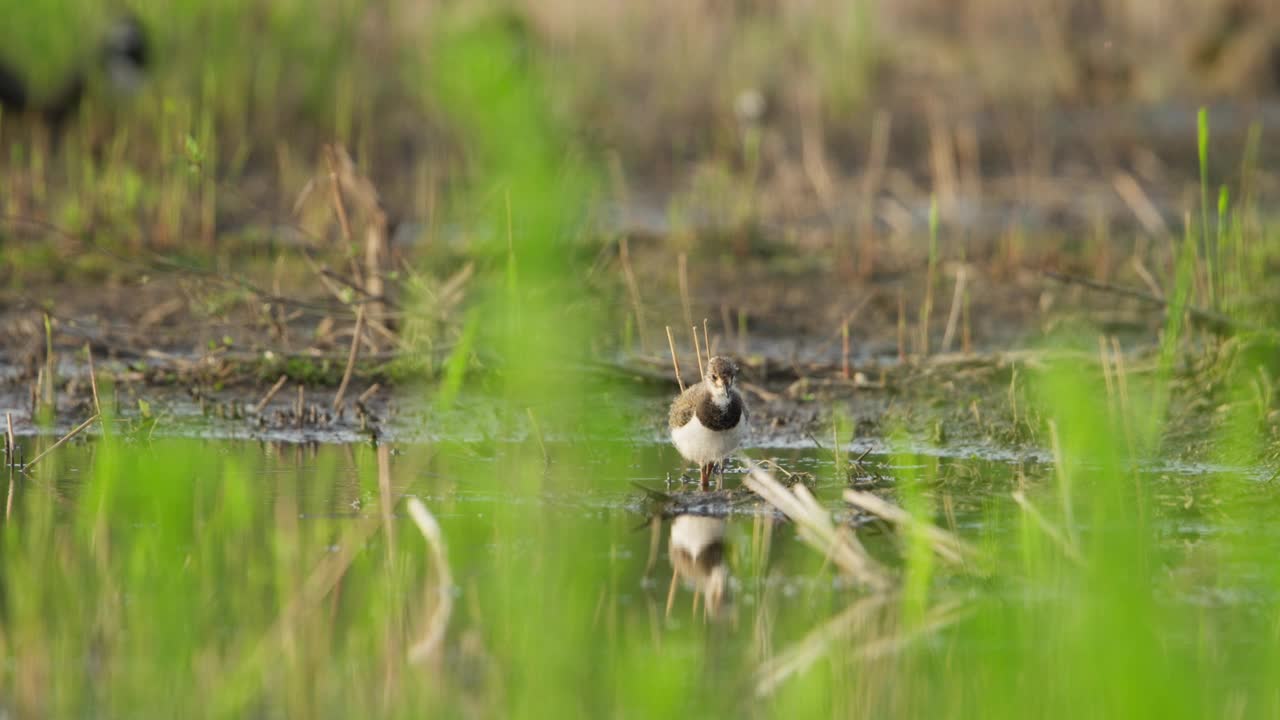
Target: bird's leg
[[706, 475], [720, 473]]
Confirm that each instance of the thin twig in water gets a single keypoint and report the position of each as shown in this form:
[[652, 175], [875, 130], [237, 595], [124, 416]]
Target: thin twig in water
[[816, 643], [772, 463], [262, 404], [816, 528], [946, 545], [433, 638], [537, 433], [385, 502], [351, 358], [1064, 479], [857, 462], [814, 440], [321, 581], [364, 396], [64, 438], [50, 363], [671, 591], [801, 655], [1068, 547]]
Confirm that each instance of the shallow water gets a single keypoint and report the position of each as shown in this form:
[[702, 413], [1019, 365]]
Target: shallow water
[[289, 579]]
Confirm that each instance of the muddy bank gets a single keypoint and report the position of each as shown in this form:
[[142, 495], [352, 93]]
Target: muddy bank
[[976, 406]]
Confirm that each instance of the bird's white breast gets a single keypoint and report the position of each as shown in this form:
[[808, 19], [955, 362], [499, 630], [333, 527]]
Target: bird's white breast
[[701, 445], [695, 533]]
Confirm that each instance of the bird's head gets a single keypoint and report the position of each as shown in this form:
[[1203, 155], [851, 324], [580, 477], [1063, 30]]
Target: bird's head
[[721, 375]]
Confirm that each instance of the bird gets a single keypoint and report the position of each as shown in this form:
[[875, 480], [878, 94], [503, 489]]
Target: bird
[[697, 552], [709, 420], [123, 55]]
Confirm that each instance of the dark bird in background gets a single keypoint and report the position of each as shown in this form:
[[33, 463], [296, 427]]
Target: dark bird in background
[[123, 57]]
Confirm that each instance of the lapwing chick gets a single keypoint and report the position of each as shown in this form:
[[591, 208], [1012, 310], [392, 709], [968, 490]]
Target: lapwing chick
[[709, 420], [697, 551]]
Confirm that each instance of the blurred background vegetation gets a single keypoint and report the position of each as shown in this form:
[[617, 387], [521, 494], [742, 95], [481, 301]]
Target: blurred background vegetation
[[675, 94]]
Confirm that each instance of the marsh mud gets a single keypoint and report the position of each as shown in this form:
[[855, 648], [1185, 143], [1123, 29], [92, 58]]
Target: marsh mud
[[829, 360]]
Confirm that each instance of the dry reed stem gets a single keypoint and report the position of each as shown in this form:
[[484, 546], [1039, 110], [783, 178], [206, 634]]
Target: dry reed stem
[[376, 250], [697, 350], [537, 434], [803, 653], [1122, 378], [1104, 359], [655, 541], [1064, 480], [706, 340], [1140, 204], [942, 158], [1013, 394], [364, 396], [945, 544], [335, 187], [742, 333], [1068, 547], [682, 276], [724, 320], [351, 358], [813, 160], [675, 363], [62, 440], [50, 365], [262, 404], [877, 159], [633, 289], [815, 527], [1147, 277], [953, 318], [1122, 382], [844, 350], [324, 577], [438, 623], [902, 327], [671, 591], [385, 501], [10, 442], [93, 380]]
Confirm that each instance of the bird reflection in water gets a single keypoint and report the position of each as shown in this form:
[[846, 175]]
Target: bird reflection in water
[[697, 553]]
